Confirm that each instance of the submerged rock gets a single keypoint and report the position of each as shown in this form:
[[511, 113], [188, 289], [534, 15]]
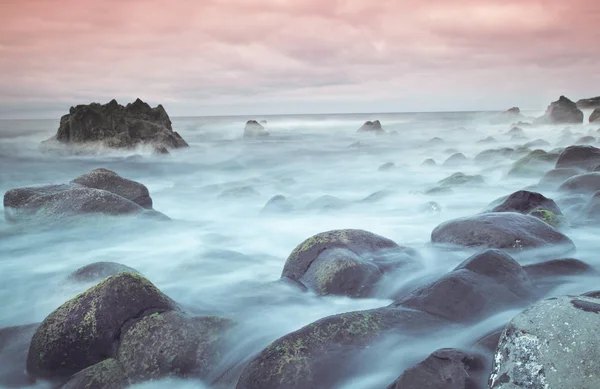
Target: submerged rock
[[239, 192], [557, 176], [581, 157], [491, 156], [533, 163], [372, 126], [116, 126], [489, 139], [562, 111], [98, 271], [585, 140], [590, 213], [345, 262], [445, 369], [595, 116], [254, 128], [508, 116], [587, 183], [531, 203], [278, 204], [429, 162], [455, 159], [435, 141], [502, 231], [518, 131], [551, 345]]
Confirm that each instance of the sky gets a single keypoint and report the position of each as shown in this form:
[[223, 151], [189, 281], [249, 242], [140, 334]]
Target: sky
[[239, 57]]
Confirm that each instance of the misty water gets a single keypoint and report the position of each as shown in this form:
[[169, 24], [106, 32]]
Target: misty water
[[221, 255]]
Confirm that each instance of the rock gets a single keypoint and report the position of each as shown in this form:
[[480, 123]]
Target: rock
[[327, 203], [161, 150], [562, 111], [116, 126], [508, 116], [531, 203], [435, 141], [110, 181], [356, 145], [278, 204], [85, 330], [439, 190], [458, 179], [14, 345], [445, 368], [557, 176], [553, 344], [587, 183], [595, 116], [518, 131], [451, 151], [319, 354], [483, 284], [537, 143], [489, 139], [387, 167], [376, 196], [344, 262], [108, 374], [374, 127], [489, 343], [590, 103], [98, 271], [429, 162], [254, 128], [491, 156], [55, 202], [581, 157], [171, 344], [586, 140], [455, 159], [533, 163], [239, 192], [590, 213], [512, 231], [558, 268]]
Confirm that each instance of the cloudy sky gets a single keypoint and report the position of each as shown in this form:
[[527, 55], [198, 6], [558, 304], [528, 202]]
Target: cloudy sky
[[223, 57]]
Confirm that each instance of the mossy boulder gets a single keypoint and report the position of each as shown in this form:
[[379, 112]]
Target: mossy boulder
[[319, 354], [108, 374], [534, 163], [171, 344], [530, 203], [98, 271], [501, 230], [345, 262], [580, 157], [85, 330], [110, 181]]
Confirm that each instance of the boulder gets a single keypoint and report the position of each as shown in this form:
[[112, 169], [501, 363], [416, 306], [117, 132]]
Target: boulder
[[537, 143], [557, 176], [530, 203], [429, 162], [116, 126], [590, 213], [98, 271], [239, 192], [595, 116], [534, 163], [278, 204], [553, 344], [376, 196], [508, 116], [562, 111], [483, 284], [254, 128], [345, 262], [455, 159], [108, 374], [458, 179], [445, 369], [591, 103], [374, 127], [505, 230], [110, 181], [435, 141], [491, 156], [587, 183], [14, 345], [327, 203], [542, 271], [489, 139], [585, 140], [85, 330], [581, 157], [387, 167]]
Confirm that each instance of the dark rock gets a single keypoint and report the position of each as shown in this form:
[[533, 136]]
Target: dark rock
[[344, 262], [254, 128], [110, 181], [85, 330], [586, 140], [502, 231], [445, 368], [98, 271], [120, 127], [562, 111], [387, 167], [171, 344], [14, 345], [595, 116], [483, 284], [587, 183], [557, 176], [550, 345], [558, 268], [489, 139], [370, 126], [239, 192], [533, 163], [489, 343], [591, 103], [531, 203], [278, 204], [582, 157], [458, 179], [429, 162], [455, 159], [108, 374]]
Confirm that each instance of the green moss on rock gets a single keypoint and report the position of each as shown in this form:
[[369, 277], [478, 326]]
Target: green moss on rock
[[548, 217]]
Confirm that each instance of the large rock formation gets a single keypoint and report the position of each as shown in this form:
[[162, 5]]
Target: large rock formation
[[562, 111], [114, 125], [591, 103], [595, 116]]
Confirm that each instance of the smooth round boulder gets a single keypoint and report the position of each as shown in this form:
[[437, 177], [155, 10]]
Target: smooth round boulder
[[98, 271], [553, 344], [110, 181], [429, 162], [590, 213], [531, 203], [537, 143], [556, 177], [580, 157], [505, 230], [344, 262], [534, 163], [493, 155], [108, 374], [84, 330], [558, 268], [587, 183]]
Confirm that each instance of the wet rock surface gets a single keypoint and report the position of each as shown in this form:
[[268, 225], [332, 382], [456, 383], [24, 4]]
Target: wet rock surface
[[562, 111], [531, 203]]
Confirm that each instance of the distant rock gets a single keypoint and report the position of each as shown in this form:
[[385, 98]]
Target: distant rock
[[489, 139], [455, 159], [435, 141], [458, 179], [493, 155], [595, 116], [254, 128], [508, 116], [278, 204], [535, 163], [429, 162], [516, 131], [537, 143], [562, 111], [591, 103], [239, 192], [113, 125], [558, 176], [374, 127], [387, 167]]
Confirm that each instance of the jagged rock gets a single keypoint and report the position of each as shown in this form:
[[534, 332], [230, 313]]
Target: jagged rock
[[98, 271], [587, 183], [591, 103], [595, 116], [562, 111], [551, 345], [370, 126], [14, 345], [581, 157], [502, 231], [116, 126], [455, 159], [254, 128], [529, 203]]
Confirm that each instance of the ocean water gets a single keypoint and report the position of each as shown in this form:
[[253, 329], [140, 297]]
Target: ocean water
[[221, 255]]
